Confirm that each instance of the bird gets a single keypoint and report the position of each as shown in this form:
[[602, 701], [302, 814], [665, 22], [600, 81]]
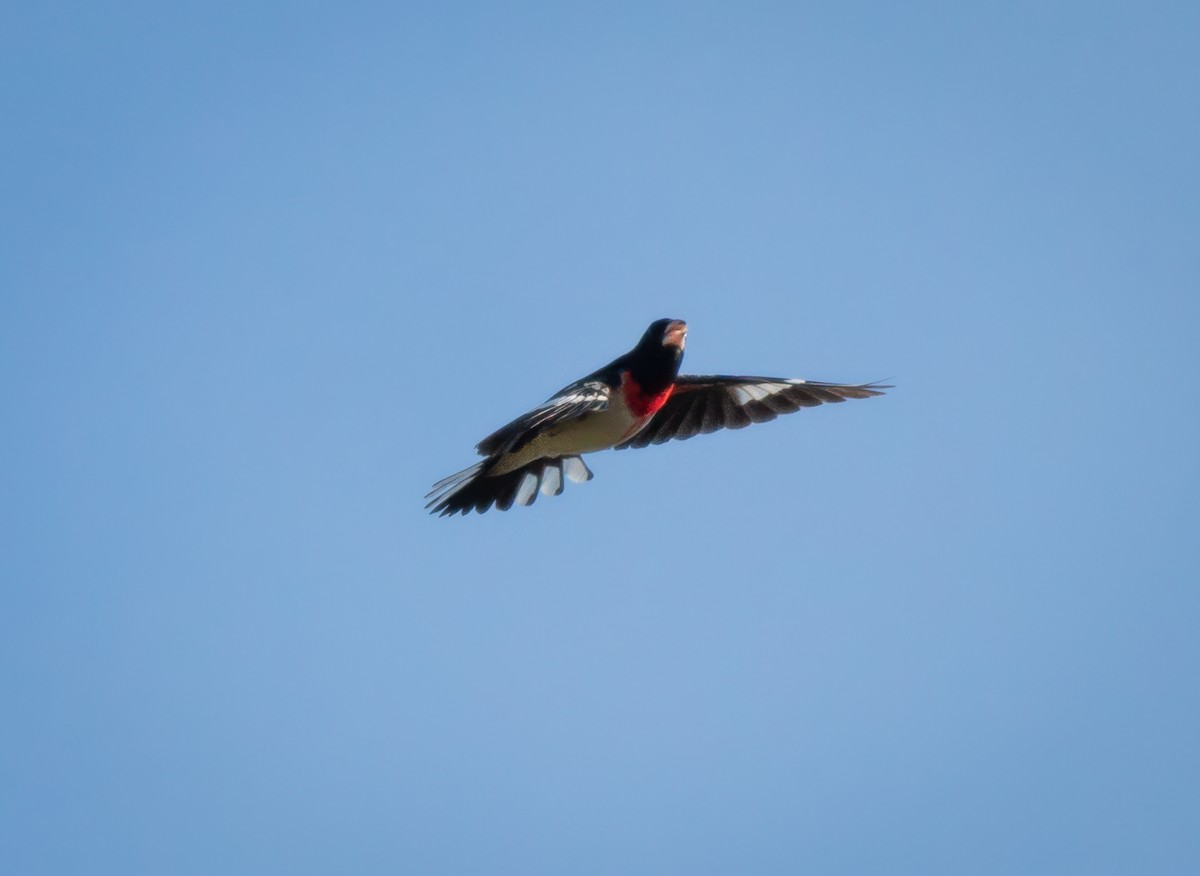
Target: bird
[[636, 400]]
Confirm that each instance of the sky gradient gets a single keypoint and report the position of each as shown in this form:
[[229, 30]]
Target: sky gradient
[[270, 270]]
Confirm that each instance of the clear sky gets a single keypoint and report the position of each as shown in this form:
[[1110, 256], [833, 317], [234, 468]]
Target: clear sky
[[269, 270]]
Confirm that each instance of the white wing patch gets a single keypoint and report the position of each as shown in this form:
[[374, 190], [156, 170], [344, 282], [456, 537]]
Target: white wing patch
[[572, 398], [745, 393]]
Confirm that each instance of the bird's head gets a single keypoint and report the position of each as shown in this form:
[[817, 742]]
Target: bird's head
[[655, 360], [670, 333]]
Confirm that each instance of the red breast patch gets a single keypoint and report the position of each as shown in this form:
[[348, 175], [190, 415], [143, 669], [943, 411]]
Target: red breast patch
[[641, 403]]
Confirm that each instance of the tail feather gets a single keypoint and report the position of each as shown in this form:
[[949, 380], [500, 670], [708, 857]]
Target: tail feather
[[473, 488]]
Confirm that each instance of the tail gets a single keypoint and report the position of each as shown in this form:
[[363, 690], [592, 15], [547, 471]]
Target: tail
[[474, 488]]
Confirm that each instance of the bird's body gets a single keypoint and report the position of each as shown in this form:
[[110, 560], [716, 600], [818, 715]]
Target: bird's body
[[588, 433], [635, 400]]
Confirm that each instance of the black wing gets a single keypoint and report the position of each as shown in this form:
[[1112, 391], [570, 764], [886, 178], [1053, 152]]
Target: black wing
[[699, 405], [566, 404]]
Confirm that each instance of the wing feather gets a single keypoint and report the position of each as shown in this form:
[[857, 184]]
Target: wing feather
[[567, 404], [472, 489], [703, 404]]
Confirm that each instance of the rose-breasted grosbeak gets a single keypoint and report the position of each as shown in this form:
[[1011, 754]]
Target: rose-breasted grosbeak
[[635, 400]]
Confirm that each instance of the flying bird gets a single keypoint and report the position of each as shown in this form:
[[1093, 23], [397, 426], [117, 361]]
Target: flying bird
[[637, 399]]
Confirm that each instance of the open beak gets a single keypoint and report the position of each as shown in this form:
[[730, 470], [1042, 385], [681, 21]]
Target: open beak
[[676, 334]]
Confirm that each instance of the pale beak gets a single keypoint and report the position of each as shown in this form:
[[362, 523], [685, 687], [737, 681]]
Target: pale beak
[[676, 334]]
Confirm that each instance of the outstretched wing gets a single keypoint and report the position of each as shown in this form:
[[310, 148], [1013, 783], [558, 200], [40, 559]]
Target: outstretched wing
[[567, 404], [699, 405]]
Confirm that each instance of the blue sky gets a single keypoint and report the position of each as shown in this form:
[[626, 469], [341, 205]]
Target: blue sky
[[268, 271]]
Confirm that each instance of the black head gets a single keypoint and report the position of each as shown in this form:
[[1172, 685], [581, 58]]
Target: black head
[[655, 360], [664, 333]]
